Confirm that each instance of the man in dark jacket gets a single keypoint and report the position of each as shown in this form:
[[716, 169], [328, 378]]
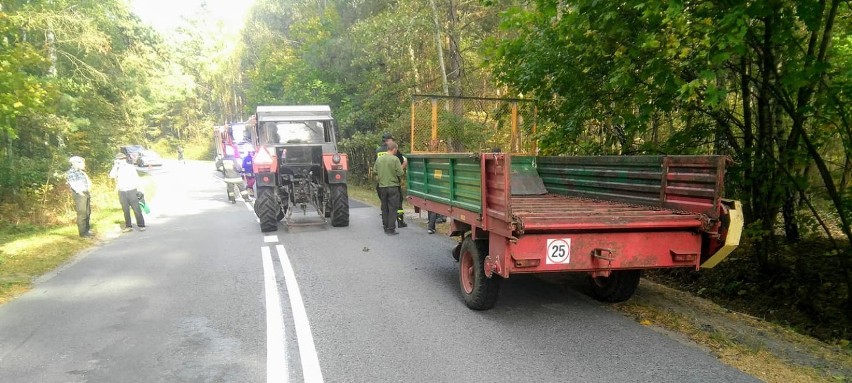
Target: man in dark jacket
[[381, 151]]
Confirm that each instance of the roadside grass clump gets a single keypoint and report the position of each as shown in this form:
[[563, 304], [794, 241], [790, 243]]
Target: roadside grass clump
[[364, 192], [764, 350], [804, 289], [31, 246]]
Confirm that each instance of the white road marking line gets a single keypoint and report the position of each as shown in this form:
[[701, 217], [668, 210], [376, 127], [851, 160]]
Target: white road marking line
[[248, 206], [257, 219], [307, 351], [276, 352], [270, 238]]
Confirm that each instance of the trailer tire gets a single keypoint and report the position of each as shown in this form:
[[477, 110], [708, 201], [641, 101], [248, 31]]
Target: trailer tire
[[619, 286], [339, 205], [268, 211], [457, 252], [479, 292]]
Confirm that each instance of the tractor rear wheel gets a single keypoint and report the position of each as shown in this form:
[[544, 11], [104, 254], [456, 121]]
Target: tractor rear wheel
[[619, 286], [339, 205], [267, 209], [479, 292]]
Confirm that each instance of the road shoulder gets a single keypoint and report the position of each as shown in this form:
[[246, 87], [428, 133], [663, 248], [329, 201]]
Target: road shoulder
[[764, 350]]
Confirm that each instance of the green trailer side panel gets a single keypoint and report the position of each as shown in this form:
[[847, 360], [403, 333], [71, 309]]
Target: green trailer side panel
[[523, 163], [446, 178]]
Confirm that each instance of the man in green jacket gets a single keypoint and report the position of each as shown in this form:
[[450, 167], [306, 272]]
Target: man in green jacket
[[389, 170], [382, 150]]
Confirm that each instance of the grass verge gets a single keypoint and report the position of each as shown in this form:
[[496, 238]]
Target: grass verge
[[767, 351], [28, 252], [366, 194]]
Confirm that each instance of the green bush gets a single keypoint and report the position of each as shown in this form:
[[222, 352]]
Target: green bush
[[361, 150]]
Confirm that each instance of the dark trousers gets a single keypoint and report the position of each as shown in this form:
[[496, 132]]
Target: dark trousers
[[390, 204], [129, 200], [433, 219], [83, 206], [400, 214]]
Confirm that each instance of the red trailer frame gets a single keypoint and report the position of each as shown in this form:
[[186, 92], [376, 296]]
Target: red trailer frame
[[671, 217]]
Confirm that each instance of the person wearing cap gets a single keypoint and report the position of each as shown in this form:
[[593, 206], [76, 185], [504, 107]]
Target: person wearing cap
[[381, 151], [80, 185], [388, 171], [127, 181]]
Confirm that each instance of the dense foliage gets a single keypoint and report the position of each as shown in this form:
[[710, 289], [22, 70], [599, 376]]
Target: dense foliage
[[83, 78]]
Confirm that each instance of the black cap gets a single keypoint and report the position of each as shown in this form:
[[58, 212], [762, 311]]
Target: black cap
[[387, 136]]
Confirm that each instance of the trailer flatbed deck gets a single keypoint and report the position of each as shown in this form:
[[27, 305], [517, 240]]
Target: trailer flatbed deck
[[554, 212]]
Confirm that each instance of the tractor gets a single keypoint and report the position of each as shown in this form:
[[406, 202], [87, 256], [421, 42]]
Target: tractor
[[297, 165]]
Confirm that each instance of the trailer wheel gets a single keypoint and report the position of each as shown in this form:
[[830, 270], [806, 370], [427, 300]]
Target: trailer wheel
[[457, 252], [267, 210], [479, 292], [619, 286], [339, 205]]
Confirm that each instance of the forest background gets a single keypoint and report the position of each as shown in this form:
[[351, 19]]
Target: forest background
[[767, 83]]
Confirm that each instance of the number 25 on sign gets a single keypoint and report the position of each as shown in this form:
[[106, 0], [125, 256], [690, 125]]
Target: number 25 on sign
[[558, 251]]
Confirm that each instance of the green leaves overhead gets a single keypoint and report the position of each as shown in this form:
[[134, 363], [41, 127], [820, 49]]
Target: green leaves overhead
[[365, 58], [764, 81], [21, 89]]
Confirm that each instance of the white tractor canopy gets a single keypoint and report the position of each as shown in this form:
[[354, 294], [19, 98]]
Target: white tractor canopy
[[296, 125], [294, 113]]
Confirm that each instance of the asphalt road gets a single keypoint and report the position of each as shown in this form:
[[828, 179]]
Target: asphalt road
[[204, 296]]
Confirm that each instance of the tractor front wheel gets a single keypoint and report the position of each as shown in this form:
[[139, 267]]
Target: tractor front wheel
[[479, 292], [339, 205], [267, 209], [619, 286]]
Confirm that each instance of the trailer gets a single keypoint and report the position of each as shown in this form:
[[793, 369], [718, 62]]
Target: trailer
[[608, 216]]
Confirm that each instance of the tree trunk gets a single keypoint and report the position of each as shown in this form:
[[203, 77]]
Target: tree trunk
[[456, 74], [847, 169], [414, 68], [791, 225], [440, 48], [762, 189], [51, 53]]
